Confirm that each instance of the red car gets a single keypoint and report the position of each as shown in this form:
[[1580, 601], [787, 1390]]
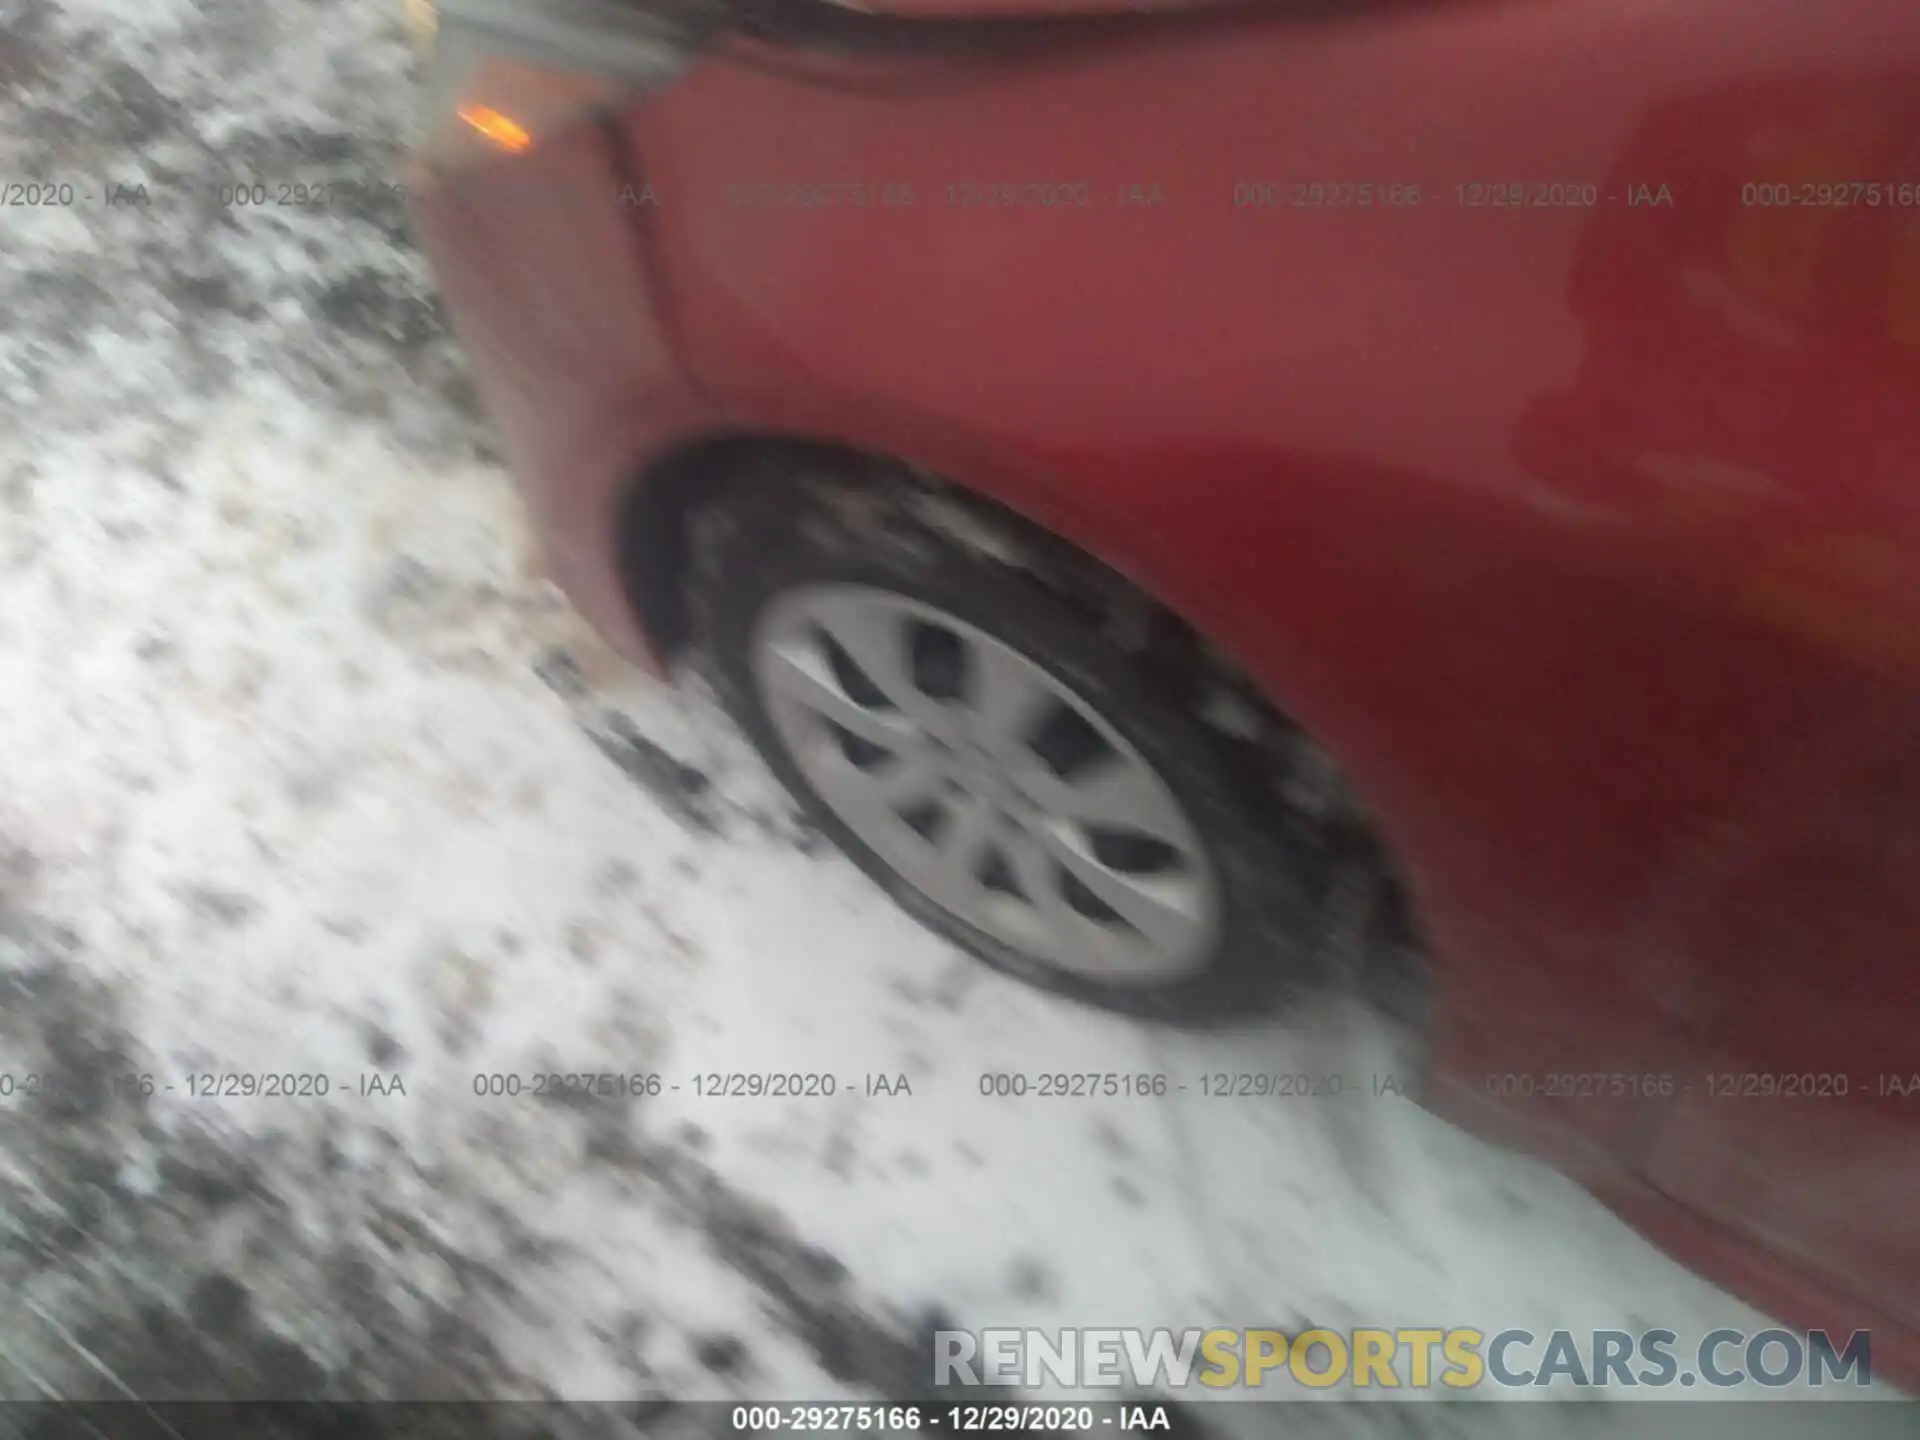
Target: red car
[[1146, 480]]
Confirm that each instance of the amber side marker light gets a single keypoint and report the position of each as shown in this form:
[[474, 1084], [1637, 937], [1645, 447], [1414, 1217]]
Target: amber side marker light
[[502, 130]]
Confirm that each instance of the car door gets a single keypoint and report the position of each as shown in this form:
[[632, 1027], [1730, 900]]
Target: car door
[[1804, 1136], [1751, 381]]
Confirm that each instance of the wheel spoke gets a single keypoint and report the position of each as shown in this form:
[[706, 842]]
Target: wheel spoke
[[1161, 907], [1116, 792], [1041, 885], [801, 673], [913, 778], [881, 793], [1008, 694], [962, 845], [875, 639]]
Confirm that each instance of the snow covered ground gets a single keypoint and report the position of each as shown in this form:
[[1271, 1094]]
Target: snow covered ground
[[293, 779]]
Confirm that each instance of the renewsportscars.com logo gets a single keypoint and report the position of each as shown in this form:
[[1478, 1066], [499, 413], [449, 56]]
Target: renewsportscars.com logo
[[1460, 1358]]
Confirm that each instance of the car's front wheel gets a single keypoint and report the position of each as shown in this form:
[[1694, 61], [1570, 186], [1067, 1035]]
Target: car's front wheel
[[1009, 777]]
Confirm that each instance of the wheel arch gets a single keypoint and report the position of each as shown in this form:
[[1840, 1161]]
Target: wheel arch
[[658, 520]]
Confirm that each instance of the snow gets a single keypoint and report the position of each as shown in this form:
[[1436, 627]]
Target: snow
[[283, 789]]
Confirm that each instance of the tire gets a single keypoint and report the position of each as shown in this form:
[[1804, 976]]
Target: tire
[[780, 544]]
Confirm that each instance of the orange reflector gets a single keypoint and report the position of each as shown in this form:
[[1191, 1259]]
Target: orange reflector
[[507, 134]]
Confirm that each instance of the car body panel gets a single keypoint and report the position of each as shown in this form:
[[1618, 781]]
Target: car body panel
[[1586, 537], [548, 288]]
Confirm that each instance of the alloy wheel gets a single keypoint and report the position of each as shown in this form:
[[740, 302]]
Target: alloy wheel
[[987, 784]]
